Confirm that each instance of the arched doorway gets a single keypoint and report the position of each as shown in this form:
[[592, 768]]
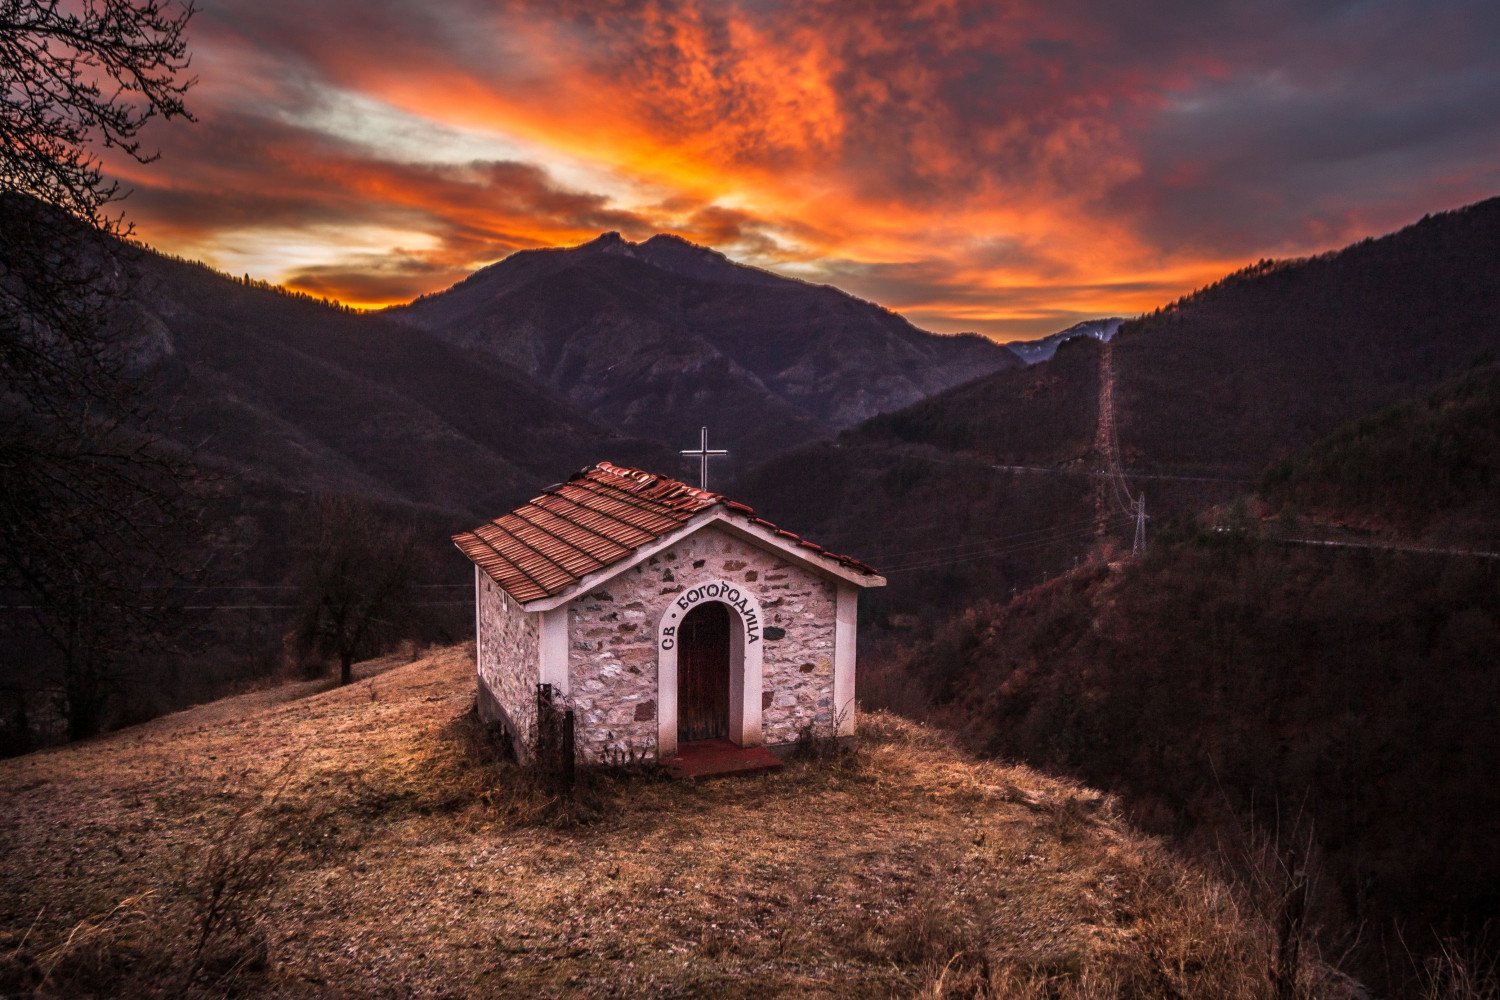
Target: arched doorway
[[703, 673], [746, 662]]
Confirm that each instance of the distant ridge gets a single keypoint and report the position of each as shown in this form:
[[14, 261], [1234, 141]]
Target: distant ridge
[[659, 337], [1033, 351], [291, 396]]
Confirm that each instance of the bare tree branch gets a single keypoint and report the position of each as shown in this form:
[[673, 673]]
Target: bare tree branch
[[94, 500]]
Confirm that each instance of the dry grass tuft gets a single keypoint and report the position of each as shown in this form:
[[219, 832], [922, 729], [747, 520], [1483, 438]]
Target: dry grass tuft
[[1454, 975], [201, 931]]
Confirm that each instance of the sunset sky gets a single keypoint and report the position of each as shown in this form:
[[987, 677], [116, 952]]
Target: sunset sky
[[1009, 168]]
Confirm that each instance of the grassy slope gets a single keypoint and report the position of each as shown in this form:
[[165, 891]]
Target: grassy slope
[[872, 876]]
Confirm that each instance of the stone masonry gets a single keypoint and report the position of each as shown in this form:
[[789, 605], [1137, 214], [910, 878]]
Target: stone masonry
[[612, 643], [508, 660]]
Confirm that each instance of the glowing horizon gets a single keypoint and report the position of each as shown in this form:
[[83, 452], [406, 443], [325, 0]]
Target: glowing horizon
[[1009, 172]]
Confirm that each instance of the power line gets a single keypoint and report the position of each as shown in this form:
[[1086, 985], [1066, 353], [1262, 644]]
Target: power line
[[1018, 536], [1063, 536]]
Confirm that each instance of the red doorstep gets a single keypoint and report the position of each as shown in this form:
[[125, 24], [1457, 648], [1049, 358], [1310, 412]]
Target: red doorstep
[[713, 758]]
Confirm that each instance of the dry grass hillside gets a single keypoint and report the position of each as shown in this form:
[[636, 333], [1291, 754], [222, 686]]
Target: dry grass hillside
[[364, 842]]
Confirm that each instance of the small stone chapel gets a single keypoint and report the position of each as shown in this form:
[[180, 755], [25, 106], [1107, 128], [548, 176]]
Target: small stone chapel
[[667, 616]]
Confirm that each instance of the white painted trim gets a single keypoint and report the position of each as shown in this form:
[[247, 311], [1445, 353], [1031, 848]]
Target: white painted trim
[[734, 524], [845, 634], [746, 662], [768, 539], [553, 650], [479, 579]]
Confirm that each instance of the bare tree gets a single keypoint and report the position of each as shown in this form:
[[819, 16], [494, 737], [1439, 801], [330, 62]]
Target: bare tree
[[77, 76], [354, 581], [93, 501]]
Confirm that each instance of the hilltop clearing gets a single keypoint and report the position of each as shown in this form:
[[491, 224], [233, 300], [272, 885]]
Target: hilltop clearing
[[403, 860]]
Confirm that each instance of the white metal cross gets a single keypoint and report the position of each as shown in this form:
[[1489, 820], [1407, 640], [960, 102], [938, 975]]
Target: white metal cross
[[703, 453]]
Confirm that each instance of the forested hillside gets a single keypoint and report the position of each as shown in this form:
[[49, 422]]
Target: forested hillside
[[1427, 469], [1245, 372], [260, 403], [1208, 393], [1339, 696], [917, 493]]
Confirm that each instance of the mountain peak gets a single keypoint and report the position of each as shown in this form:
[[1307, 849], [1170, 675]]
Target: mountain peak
[[658, 249], [671, 241], [606, 241], [665, 335]]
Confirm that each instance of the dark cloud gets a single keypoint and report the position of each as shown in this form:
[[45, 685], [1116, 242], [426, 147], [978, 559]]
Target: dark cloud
[[375, 277]]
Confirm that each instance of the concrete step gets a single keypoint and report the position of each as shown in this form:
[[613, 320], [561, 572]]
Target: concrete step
[[718, 758]]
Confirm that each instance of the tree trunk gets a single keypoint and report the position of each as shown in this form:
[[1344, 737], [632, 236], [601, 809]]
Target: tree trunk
[[346, 668], [83, 703]]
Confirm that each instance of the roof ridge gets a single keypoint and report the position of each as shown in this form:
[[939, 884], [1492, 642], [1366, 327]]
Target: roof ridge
[[626, 471], [623, 507], [628, 499]]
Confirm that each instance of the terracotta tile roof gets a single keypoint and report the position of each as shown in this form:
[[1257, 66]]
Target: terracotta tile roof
[[594, 520]]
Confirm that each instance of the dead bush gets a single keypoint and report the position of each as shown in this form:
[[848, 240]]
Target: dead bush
[[228, 885], [821, 745], [1191, 935], [117, 951], [1452, 974], [487, 775], [1018, 981], [935, 932], [201, 933], [1070, 818]]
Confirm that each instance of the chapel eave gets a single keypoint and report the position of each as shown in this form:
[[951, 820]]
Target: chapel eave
[[606, 519], [739, 526]]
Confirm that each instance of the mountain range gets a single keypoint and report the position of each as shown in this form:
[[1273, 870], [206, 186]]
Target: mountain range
[[467, 401], [662, 336]]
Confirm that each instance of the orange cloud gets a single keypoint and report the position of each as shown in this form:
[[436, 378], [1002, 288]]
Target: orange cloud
[[1008, 169]]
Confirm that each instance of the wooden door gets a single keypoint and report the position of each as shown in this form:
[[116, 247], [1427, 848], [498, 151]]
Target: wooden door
[[703, 674]]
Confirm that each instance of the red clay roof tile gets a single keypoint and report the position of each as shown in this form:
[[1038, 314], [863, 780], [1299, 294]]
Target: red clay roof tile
[[594, 520]]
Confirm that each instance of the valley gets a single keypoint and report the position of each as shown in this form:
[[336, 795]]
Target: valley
[[1346, 400]]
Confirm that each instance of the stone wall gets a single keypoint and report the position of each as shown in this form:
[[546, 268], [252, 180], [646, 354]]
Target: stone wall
[[509, 661], [612, 649]]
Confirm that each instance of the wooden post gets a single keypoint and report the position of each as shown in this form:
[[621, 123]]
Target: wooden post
[[555, 755], [569, 761]]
